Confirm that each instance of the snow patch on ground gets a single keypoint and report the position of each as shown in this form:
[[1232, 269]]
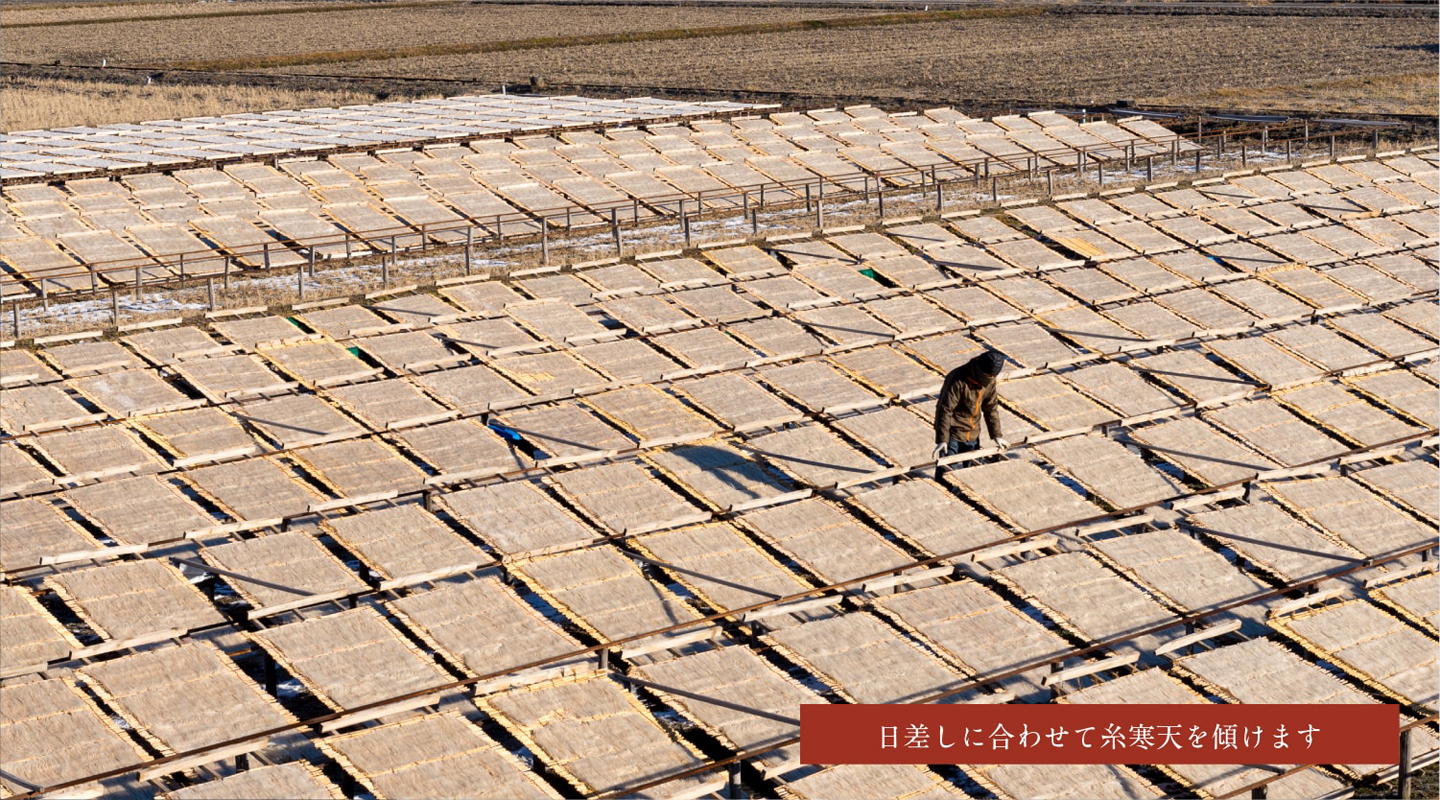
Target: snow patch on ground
[[97, 311]]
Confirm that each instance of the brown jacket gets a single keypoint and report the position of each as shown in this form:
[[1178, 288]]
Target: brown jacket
[[963, 399]]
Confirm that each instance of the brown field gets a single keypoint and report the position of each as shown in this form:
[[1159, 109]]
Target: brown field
[[68, 14], [47, 13], [1045, 60], [989, 60], [30, 103], [163, 42]]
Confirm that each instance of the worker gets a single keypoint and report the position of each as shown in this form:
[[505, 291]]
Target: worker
[[968, 392]]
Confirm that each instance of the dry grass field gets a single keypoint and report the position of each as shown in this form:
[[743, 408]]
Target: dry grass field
[[30, 103], [378, 27], [1048, 59], [1401, 93]]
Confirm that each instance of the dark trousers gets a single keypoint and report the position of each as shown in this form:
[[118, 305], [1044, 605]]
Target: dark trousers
[[957, 446]]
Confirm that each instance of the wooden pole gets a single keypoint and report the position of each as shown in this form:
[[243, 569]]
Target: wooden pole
[[1405, 765], [544, 243], [385, 265], [820, 207]]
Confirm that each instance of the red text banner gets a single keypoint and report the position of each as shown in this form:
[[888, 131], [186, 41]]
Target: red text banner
[[1099, 734]]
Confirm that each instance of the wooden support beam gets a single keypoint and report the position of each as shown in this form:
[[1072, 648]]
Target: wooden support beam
[[1307, 601], [1205, 499], [1112, 524], [208, 757], [1091, 668], [126, 644], [346, 720], [1013, 548], [87, 555], [1401, 574], [905, 578], [1183, 642]]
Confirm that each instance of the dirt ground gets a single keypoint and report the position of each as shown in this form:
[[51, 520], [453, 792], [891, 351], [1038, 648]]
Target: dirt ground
[[1055, 59], [164, 42], [13, 14], [1045, 60]]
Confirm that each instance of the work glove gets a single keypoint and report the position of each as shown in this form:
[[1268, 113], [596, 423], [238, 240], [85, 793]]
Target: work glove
[[1002, 443], [938, 452]]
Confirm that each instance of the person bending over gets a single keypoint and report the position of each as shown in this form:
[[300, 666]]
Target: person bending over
[[969, 392]]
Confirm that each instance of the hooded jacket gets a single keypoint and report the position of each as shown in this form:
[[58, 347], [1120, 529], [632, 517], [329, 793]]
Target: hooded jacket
[[967, 394]]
